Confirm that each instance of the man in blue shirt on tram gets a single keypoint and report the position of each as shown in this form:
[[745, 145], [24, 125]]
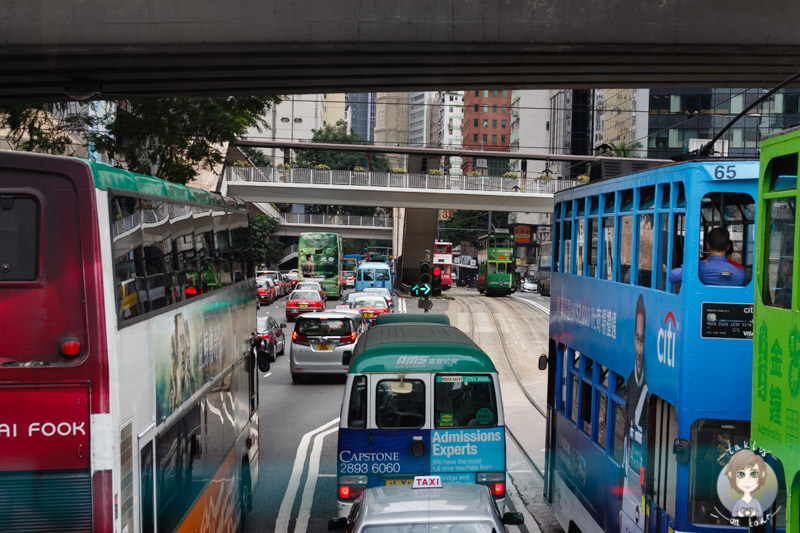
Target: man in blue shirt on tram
[[716, 270]]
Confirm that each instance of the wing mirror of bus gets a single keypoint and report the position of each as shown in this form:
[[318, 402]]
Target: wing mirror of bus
[[513, 519], [543, 362], [682, 450], [348, 355], [337, 524]]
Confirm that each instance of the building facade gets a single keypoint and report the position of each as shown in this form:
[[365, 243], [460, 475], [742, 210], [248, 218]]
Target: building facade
[[391, 124], [334, 107], [361, 108], [486, 126], [449, 125], [530, 120]]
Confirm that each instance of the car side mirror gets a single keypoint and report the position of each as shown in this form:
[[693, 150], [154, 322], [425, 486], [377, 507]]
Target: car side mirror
[[348, 355], [263, 360], [682, 450], [513, 519], [283, 326], [543, 362], [337, 524]]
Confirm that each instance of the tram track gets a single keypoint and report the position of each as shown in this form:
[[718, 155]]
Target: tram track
[[466, 304]]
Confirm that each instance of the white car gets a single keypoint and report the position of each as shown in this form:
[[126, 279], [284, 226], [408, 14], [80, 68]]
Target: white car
[[386, 293], [528, 284]]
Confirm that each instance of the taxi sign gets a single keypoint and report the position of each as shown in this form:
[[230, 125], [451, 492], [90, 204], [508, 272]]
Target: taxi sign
[[427, 482]]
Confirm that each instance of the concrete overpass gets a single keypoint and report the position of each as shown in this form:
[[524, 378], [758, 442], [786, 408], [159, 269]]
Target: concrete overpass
[[96, 48], [349, 227]]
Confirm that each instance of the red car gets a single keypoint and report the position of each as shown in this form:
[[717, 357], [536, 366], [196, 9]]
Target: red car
[[371, 306], [266, 291], [301, 301]]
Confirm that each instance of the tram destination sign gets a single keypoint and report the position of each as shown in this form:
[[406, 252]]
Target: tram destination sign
[[727, 321]]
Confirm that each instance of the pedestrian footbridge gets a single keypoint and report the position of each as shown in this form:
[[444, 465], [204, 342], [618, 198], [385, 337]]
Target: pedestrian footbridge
[[424, 191]]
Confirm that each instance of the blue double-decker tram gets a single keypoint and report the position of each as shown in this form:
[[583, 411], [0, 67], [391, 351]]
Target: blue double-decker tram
[[650, 363]]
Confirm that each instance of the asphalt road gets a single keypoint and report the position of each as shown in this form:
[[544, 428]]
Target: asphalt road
[[296, 491]]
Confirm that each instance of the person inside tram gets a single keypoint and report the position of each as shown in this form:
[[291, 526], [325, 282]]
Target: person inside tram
[[716, 269]]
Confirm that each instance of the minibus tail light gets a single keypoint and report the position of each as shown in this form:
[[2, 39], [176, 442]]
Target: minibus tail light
[[351, 487], [495, 481]]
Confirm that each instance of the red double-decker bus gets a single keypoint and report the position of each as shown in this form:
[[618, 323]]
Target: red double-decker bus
[[127, 308], [443, 257]]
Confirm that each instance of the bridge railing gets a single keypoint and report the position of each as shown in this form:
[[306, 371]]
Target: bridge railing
[[347, 178], [338, 220]]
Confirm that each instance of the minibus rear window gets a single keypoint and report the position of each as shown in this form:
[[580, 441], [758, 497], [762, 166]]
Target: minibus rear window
[[400, 404], [464, 401]]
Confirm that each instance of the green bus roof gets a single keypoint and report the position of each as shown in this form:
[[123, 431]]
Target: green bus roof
[[107, 177], [418, 347]]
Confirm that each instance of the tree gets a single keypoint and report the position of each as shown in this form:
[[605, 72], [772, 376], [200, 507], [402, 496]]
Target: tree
[[258, 158], [337, 133], [50, 129], [171, 137], [262, 249], [621, 149]]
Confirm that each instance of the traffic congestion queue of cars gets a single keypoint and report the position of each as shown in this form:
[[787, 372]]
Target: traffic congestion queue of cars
[[272, 285]]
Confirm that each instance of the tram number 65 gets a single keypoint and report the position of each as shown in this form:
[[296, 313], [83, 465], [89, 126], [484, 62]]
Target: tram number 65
[[722, 172]]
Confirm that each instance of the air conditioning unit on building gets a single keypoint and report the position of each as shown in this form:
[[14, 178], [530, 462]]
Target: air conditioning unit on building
[[720, 146]]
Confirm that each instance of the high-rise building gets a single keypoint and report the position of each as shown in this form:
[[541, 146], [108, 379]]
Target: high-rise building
[[362, 114], [294, 119], [530, 116], [571, 129], [391, 124], [418, 103], [450, 126], [621, 121], [486, 126], [333, 108]]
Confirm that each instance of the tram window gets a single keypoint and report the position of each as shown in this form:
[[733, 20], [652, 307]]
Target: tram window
[[619, 432], [400, 404], [608, 203], [779, 253], [626, 200], [735, 212], [357, 408], [574, 411], [557, 243], [663, 252], [625, 248], [647, 197], [464, 401], [608, 248], [579, 248], [678, 235], [680, 201], [567, 268], [19, 241], [564, 376], [510, 268], [594, 205], [592, 232], [645, 256], [492, 268], [603, 379], [710, 441], [586, 407], [665, 195], [602, 418], [782, 173]]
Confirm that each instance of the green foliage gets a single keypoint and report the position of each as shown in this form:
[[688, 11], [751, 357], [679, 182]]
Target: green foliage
[[472, 173], [262, 249], [510, 175], [257, 156], [283, 165], [396, 170], [50, 129], [436, 172], [337, 133], [321, 166], [621, 149], [171, 137]]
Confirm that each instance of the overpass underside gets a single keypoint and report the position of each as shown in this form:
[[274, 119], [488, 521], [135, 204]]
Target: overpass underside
[[347, 232], [218, 47]]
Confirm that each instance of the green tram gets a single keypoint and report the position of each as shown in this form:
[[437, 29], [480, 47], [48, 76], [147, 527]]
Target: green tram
[[776, 322], [496, 266]]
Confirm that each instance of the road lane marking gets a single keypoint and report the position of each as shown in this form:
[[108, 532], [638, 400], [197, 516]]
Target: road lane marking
[[529, 523], [284, 514], [538, 306], [307, 500], [268, 374]]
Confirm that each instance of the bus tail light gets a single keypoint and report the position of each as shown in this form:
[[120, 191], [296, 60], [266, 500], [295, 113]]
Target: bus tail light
[[348, 339], [495, 481], [351, 487], [70, 347], [297, 338]]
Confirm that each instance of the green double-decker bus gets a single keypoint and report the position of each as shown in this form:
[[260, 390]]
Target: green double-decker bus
[[775, 423], [496, 266], [319, 258]]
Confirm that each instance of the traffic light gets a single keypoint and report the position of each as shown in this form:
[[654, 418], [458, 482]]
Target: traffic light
[[436, 281], [424, 272]]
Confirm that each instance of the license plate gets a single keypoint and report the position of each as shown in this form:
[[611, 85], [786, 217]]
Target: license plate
[[323, 347], [367, 315], [408, 481], [303, 305]]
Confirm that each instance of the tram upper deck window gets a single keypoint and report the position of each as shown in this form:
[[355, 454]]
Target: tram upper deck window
[[608, 248], [735, 212], [779, 253], [625, 248], [626, 200], [464, 401], [647, 197], [567, 267], [782, 173], [645, 258]]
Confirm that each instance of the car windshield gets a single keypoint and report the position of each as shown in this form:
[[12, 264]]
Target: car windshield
[[353, 295], [308, 286], [305, 295], [323, 326], [437, 527], [262, 283], [370, 302]]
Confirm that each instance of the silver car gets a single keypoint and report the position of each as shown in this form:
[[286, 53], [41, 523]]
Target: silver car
[[447, 507], [321, 341]]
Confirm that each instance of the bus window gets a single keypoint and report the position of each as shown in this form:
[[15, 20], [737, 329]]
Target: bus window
[[779, 257], [400, 404], [608, 248], [645, 258], [710, 442], [367, 275], [19, 243], [382, 275], [464, 401], [357, 410], [625, 248], [579, 248]]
